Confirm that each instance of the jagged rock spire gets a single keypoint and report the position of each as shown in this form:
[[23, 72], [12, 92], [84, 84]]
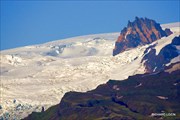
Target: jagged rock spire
[[140, 31]]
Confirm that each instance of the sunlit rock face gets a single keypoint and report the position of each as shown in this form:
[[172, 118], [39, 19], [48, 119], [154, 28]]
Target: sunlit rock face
[[139, 32]]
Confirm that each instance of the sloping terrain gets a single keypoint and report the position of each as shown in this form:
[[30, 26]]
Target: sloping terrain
[[38, 76], [136, 98], [168, 54]]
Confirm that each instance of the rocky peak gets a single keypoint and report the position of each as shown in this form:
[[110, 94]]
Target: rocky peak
[[140, 31]]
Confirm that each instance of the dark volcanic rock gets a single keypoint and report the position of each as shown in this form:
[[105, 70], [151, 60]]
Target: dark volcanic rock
[[155, 63], [133, 99], [168, 31], [141, 31]]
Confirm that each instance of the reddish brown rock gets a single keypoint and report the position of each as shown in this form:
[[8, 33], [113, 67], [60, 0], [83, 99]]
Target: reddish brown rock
[[139, 32]]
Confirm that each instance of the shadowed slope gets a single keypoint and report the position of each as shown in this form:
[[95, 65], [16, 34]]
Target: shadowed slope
[[135, 98]]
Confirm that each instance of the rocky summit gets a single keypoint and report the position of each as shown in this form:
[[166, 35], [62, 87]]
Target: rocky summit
[[139, 32]]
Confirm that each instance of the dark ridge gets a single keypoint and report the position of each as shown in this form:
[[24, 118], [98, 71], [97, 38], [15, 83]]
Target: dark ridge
[[155, 63]]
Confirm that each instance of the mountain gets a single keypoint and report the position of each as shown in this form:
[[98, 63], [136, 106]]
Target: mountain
[[139, 32], [137, 97], [38, 76]]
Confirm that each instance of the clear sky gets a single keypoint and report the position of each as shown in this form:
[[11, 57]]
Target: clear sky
[[34, 22]]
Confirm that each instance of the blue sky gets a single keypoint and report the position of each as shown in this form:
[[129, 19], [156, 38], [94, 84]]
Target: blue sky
[[34, 22]]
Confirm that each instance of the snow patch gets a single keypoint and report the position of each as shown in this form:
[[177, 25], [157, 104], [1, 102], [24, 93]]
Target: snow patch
[[171, 25], [162, 97], [165, 40], [11, 59], [140, 84], [174, 60], [128, 32]]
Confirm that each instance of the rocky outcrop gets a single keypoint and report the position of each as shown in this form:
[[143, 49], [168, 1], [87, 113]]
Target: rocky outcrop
[[133, 99], [168, 31], [155, 63], [139, 32]]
